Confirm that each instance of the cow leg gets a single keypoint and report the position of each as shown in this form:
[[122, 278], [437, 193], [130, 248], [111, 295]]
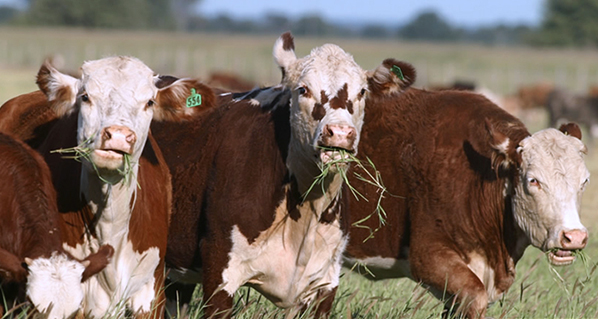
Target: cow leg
[[218, 302], [324, 301], [178, 298], [447, 276]]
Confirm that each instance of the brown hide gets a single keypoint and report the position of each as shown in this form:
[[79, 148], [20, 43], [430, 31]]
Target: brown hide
[[31, 221], [436, 154], [228, 168]]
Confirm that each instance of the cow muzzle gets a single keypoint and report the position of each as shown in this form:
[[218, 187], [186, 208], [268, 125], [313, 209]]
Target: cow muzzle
[[571, 242], [335, 138], [116, 142]]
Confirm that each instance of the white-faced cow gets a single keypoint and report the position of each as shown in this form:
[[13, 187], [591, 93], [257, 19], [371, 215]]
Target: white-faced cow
[[33, 263], [471, 189], [120, 193], [242, 211]]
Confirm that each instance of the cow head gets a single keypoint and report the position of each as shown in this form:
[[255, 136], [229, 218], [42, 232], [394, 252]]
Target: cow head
[[54, 283], [550, 178], [327, 103], [328, 99], [116, 99]]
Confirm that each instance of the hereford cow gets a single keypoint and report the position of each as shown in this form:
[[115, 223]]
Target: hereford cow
[[243, 214], [32, 261], [119, 193], [469, 188]]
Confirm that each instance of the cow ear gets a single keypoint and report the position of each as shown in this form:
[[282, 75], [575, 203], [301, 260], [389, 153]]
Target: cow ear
[[181, 99], [284, 52], [95, 263], [504, 153], [391, 76], [60, 89], [571, 129], [11, 267]]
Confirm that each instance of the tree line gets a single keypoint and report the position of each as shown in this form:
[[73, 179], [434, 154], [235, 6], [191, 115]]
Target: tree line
[[569, 23]]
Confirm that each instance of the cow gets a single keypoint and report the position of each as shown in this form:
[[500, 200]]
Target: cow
[[119, 192], [33, 263], [245, 211], [563, 105], [468, 188]]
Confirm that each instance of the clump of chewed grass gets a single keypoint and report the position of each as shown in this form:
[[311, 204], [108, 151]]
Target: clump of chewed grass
[[339, 164], [82, 152]]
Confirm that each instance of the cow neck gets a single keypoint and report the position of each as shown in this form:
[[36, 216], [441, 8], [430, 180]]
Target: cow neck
[[515, 238], [304, 170], [111, 204]]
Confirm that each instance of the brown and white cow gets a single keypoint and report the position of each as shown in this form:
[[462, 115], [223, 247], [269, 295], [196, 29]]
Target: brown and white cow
[[32, 260], [242, 211], [120, 194], [470, 190]]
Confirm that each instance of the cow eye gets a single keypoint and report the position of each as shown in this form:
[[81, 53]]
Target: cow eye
[[362, 93], [534, 182], [150, 103], [85, 97], [301, 90]]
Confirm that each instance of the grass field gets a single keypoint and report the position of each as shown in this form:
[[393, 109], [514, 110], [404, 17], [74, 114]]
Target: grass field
[[539, 291]]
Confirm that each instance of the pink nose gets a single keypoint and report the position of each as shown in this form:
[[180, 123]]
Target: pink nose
[[574, 239], [118, 138], [341, 136]]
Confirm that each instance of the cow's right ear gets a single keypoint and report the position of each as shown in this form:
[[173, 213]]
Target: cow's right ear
[[181, 99], [284, 52], [391, 76], [95, 263], [11, 267], [61, 89]]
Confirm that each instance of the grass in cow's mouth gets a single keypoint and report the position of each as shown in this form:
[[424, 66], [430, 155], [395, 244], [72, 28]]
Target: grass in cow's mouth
[[371, 176], [83, 152]]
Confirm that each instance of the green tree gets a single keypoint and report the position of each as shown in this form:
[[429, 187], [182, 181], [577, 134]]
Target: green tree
[[129, 14], [568, 23], [428, 25]]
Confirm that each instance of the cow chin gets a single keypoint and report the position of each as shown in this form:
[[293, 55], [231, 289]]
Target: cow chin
[[107, 159]]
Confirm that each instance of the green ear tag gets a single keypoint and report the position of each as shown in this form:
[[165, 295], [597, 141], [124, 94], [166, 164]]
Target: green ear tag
[[397, 71], [194, 99]]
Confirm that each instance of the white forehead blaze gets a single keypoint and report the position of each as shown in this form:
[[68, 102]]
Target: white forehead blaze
[[115, 91], [553, 176], [55, 282]]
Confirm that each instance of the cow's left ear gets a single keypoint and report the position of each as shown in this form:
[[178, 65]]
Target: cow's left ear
[[181, 99], [391, 76], [61, 89], [571, 129], [504, 149]]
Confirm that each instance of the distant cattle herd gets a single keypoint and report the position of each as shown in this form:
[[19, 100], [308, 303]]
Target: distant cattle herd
[[123, 189]]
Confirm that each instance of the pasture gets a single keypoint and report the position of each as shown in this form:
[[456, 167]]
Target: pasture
[[540, 291]]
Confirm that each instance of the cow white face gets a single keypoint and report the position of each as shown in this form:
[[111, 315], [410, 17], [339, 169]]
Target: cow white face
[[547, 201], [54, 285], [117, 99], [328, 99]]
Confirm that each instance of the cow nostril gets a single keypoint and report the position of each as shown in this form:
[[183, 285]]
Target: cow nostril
[[106, 134]]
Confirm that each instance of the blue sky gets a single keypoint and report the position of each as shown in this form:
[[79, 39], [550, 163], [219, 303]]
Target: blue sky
[[389, 12], [393, 12]]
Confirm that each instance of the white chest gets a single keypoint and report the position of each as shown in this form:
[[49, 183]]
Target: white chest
[[287, 261]]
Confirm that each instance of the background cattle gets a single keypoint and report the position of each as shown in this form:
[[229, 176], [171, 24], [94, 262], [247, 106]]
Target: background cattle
[[119, 193], [244, 209], [469, 188], [564, 105], [32, 261]]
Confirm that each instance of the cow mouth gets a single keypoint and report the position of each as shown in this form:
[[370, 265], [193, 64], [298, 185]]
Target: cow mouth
[[561, 257], [110, 154], [335, 155]]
